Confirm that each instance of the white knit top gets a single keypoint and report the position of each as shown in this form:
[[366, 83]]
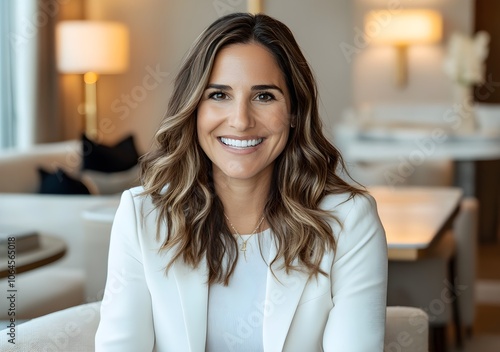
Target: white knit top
[[236, 311]]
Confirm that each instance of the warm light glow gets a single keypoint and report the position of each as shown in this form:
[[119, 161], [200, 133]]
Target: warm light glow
[[92, 46], [90, 77], [404, 27], [401, 29]]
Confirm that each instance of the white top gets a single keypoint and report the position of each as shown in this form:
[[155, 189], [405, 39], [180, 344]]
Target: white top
[[236, 312], [145, 309]]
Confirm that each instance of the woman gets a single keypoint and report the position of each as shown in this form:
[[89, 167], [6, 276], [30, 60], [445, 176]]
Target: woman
[[243, 237]]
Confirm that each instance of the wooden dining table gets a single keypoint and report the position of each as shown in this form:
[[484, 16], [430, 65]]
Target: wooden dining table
[[417, 220]]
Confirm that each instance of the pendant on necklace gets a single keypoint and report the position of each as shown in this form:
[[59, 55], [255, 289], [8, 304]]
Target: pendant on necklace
[[243, 248]]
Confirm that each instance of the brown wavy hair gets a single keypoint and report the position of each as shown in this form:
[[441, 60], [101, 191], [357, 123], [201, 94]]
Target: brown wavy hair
[[177, 174]]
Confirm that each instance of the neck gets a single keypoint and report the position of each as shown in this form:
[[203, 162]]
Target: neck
[[243, 201]]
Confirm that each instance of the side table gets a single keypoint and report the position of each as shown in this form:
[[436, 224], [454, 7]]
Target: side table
[[51, 249]]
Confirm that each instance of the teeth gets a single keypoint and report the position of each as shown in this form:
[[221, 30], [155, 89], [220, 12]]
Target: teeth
[[241, 143]]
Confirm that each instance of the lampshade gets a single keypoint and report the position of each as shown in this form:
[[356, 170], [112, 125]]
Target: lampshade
[[404, 27], [92, 46]]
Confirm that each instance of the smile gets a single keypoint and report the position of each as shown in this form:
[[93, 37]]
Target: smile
[[238, 143]]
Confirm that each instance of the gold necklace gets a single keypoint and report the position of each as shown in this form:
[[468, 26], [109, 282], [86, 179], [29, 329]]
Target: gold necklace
[[243, 247]]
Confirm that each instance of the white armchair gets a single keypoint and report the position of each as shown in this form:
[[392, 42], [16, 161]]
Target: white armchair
[[73, 330]]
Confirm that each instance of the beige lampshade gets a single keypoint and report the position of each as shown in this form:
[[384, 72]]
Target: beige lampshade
[[404, 27], [92, 46]]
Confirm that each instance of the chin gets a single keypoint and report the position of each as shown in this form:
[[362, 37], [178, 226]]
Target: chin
[[238, 174], [243, 172]]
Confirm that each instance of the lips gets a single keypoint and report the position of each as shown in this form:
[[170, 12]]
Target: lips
[[241, 143]]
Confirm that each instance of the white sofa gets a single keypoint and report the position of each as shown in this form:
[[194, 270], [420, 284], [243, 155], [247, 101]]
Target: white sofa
[[73, 330], [64, 283]]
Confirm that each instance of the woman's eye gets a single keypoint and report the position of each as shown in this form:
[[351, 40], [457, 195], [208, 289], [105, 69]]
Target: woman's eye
[[265, 97], [218, 96]]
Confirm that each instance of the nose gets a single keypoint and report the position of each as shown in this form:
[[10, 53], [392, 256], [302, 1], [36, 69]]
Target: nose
[[240, 118]]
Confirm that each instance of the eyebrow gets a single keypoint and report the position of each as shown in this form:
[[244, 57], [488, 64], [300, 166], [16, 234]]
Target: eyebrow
[[257, 87]]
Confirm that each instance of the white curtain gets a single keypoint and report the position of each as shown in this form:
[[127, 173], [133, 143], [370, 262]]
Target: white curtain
[[7, 113], [29, 105]]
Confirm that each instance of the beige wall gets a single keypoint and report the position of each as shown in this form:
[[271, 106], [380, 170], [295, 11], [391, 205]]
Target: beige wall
[[319, 27], [161, 32]]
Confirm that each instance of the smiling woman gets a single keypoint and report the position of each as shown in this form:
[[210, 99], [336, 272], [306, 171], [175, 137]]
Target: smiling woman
[[243, 236]]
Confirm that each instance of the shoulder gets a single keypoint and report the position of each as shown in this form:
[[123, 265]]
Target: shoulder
[[135, 197], [345, 205], [137, 218], [136, 190], [356, 223], [135, 201]]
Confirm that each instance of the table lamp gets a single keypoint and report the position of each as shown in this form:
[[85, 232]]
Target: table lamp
[[401, 29], [91, 48]]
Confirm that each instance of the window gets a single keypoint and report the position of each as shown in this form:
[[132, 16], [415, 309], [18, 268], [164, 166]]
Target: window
[[7, 107]]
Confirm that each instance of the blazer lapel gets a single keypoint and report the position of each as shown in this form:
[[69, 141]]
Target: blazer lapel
[[283, 293], [193, 293]]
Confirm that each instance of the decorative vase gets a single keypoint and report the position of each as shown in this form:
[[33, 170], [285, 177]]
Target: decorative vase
[[464, 108]]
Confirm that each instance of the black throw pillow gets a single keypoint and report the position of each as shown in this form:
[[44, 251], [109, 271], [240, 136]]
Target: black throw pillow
[[60, 183], [99, 157]]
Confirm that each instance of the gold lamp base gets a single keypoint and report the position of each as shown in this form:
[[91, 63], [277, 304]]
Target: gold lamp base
[[90, 79], [402, 66]]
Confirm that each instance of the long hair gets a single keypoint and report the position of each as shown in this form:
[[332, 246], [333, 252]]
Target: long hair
[[177, 174]]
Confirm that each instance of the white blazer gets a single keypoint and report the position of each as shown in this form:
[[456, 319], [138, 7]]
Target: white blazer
[[145, 310]]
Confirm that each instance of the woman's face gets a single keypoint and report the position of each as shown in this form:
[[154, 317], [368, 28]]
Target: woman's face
[[243, 118]]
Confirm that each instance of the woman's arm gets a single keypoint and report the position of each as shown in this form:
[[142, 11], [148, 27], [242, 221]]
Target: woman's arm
[[359, 282], [126, 316]]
